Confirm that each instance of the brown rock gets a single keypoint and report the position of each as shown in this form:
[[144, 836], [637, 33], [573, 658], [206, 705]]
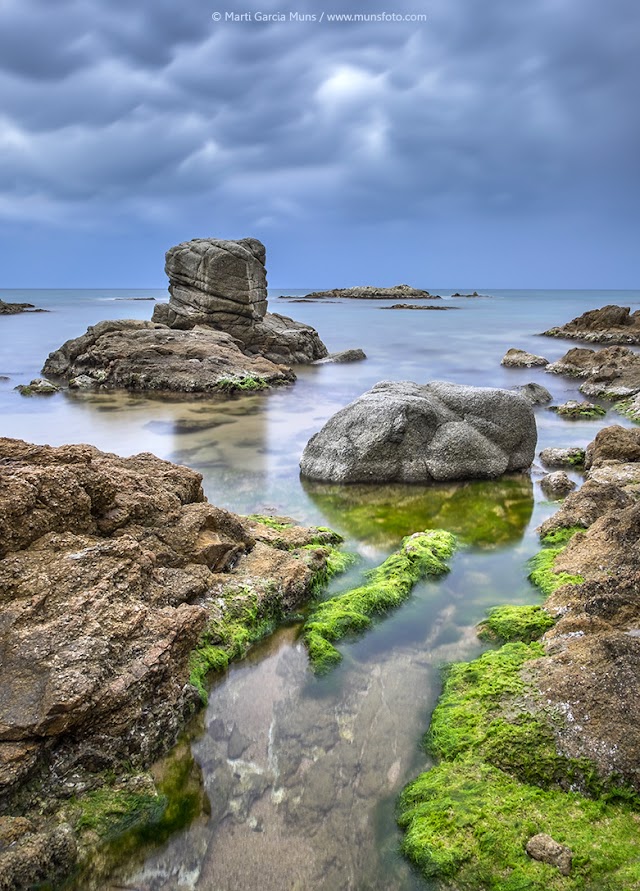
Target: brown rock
[[543, 848], [514, 358], [612, 372], [557, 485], [611, 324], [137, 355]]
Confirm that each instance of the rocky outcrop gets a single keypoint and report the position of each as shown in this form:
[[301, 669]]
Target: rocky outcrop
[[223, 285], [472, 294], [611, 324], [137, 355], [557, 485], [11, 309], [572, 457], [342, 357], [423, 308], [38, 386], [407, 432], [613, 372], [515, 358], [579, 411], [369, 292], [536, 394], [111, 569]]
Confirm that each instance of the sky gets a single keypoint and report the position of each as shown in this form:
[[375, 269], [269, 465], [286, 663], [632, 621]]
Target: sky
[[494, 144]]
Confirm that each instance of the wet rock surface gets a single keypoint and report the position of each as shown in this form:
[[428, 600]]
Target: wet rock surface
[[611, 372], [572, 457], [610, 324], [110, 568], [369, 292], [407, 432], [142, 356], [515, 358], [557, 485], [223, 285], [590, 678]]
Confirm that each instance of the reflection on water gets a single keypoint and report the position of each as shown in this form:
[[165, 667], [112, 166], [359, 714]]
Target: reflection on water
[[482, 513]]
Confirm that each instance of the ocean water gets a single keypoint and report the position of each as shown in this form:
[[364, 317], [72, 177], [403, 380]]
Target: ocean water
[[302, 773]]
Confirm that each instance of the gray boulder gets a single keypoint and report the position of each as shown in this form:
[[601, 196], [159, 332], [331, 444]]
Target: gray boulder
[[535, 393], [417, 433], [557, 485], [223, 285], [356, 355]]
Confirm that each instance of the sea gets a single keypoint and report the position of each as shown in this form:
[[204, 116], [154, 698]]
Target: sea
[[301, 774]]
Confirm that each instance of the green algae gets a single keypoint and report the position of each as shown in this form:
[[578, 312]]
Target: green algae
[[247, 618], [469, 820], [421, 555], [561, 535], [270, 522], [242, 384], [511, 623], [543, 575], [630, 408], [484, 514], [580, 411]]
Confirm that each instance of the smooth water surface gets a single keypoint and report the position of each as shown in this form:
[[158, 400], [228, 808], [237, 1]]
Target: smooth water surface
[[302, 773]]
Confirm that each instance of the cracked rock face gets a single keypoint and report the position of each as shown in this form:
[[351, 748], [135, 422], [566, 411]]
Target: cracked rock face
[[223, 285], [407, 432]]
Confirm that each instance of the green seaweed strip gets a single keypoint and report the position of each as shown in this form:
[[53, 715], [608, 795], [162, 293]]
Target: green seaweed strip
[[542, 574], [511, 623], [421, 555], [245, 622]]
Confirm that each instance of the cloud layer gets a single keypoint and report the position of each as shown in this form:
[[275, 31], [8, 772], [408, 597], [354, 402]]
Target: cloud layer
[[116, 115]]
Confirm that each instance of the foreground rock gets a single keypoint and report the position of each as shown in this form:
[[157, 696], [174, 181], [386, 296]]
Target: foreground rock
[[137, 355], [545, 849], [12, 309], [368, 292], [613, 372], [571, 458], [111, 571], [407, 432], [223, 285], [611, 324], [557, 485], [515, 358]]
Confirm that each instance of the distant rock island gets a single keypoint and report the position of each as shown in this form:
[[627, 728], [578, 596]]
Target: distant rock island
[[368, 292], [11, 309]]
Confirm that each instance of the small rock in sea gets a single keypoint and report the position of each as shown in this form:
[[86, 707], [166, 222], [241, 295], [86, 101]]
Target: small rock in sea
[[345, 356], [415, 306], [38, 386], [557, 485], [572, 457], [4, 377], [370, 292], [515, 358], [474, 294], [535, 393], [579, 410], [545, 849]]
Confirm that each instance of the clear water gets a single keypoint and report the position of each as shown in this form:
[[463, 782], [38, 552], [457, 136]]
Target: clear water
[[302, 773]]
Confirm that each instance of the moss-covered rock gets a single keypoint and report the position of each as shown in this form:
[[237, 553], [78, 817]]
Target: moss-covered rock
[[422, 554], [515, 623]]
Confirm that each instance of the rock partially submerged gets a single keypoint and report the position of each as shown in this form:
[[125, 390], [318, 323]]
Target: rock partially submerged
[[424, 308], [579, 411], [115, 575], [223, 285], [557, 485], [613, 372], [611, 324], [369, 292], [143, 356], [572, 457], [536, 394], [38, 386], [515, 358], [344, 356], [12, 309], [407, 432]]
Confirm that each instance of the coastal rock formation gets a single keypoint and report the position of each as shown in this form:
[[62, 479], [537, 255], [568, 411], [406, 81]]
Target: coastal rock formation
[[611, 324], [557, 484], [369, 292], [407, 432], [111, 569], [11, 309], [424, 308], [576, 411], [344, 356], [515, 358], [571, 458], [473, 294], [138, 355], [223, 284], [612, 372], [37, 386]]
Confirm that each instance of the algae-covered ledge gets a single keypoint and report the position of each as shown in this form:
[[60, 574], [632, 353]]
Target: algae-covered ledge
[[129, 587], [536, 782]]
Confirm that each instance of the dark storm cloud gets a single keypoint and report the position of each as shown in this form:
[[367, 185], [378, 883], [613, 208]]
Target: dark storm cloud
[[151, 108]]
